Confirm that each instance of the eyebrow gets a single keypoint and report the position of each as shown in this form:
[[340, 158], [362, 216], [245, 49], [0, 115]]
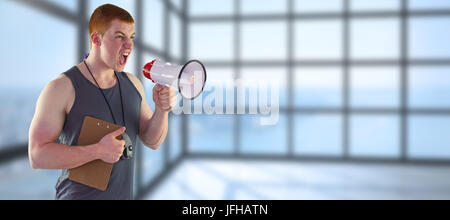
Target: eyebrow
[[120, 32]]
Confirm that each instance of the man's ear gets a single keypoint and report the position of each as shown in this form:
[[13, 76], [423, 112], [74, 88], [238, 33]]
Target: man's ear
[[96, 39]]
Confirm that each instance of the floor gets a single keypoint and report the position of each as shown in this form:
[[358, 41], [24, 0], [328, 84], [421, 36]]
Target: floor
[[258, 180], [215, 179]]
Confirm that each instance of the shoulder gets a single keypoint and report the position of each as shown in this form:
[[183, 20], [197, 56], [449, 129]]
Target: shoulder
[[58, 93], [134, 79], [60, 86], [137, 83]]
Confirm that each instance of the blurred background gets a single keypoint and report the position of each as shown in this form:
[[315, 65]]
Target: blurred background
[[364, 95]]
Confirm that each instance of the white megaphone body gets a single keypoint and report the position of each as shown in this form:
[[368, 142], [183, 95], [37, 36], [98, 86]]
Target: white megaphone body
[[189, 78]]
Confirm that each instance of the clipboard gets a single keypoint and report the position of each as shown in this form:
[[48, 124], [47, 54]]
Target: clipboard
[[96, 173]]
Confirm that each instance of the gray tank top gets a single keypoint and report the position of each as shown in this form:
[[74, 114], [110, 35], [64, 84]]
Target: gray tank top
[[90, 102]]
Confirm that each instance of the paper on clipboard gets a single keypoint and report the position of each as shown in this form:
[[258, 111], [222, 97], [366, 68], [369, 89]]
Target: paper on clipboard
[[96, 173]]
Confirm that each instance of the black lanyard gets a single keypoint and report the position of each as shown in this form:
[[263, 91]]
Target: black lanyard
[[101, 91]]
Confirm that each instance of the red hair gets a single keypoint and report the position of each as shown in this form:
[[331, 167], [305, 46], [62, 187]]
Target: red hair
[[102, 16]]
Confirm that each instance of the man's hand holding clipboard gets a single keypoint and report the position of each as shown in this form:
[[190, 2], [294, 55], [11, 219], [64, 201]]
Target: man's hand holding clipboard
[[109, 148]]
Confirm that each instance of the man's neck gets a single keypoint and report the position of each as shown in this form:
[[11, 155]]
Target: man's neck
[[99, 69]]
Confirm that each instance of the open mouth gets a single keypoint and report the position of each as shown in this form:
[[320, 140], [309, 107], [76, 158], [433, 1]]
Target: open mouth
[[124, 58]]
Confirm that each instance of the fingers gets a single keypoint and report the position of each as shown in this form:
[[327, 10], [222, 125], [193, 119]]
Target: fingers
[[164, 97], [158, 87], [168, 96], [110, 148], [167, 106], [167, 91], [168, 99], [172, 101], [118, 132]]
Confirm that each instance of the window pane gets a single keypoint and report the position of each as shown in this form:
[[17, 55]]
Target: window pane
[[208, 7], [370, 5], [175, 36], [211, 134], [38, 49], [318, 87], [318, 40], [175, 136], [263, 6], [52, 47], [375, 87], [318, 6], [68, 4], [429, 87], [18, 106], [375, 39], [257, 43], [153, 34], [17, 177], [153, 163], [374, 136], [206, 40], [264, 81], [259, 139], [318, 135], [428, 137], [429, 4], [429, 37]]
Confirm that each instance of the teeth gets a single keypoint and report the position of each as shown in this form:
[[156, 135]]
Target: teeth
[[126, 54]]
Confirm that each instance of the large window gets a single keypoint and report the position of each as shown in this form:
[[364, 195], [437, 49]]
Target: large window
[[356, 79], [359, 78]]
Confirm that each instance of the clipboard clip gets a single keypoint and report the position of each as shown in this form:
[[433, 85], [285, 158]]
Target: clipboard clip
[[128, 148]]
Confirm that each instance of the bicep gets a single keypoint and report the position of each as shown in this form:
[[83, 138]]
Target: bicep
[[144, 116], [145, 113], [49, 116]]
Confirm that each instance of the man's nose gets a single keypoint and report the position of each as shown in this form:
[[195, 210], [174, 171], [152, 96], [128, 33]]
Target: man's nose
[[128, 43]]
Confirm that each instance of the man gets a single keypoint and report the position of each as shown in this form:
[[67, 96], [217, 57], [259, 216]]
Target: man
[[98, 87]]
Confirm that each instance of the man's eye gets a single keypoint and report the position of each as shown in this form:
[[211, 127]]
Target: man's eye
[[119, 37]]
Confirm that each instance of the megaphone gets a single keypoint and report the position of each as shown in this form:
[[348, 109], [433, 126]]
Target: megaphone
[[189, 78]]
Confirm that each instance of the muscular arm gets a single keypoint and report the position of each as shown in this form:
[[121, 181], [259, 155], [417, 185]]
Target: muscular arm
[[152, 125], [153, 131], [46, 126]]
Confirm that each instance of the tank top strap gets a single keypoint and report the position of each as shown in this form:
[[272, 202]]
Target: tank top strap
[[74, 76], [129, 86]]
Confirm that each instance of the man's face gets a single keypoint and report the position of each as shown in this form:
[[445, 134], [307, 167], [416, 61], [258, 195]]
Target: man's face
[[117, 44]]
